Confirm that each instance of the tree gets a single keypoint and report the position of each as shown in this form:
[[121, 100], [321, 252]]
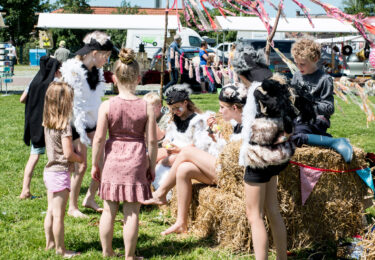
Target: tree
[[72, 37], [367, 7], [118, 37], [21, 21]]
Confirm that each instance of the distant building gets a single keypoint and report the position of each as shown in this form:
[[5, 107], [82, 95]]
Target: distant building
[[113, 10]]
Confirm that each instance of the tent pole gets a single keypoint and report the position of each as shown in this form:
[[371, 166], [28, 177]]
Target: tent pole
[[163, 52]]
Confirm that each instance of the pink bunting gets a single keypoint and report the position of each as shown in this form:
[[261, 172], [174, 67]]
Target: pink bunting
[[309, 177], [197, 74]]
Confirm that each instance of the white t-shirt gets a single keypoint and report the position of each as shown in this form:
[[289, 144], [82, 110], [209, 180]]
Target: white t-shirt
[[12, 51]]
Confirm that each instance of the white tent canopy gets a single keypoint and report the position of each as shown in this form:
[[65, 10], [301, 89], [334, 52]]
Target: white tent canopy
[[105, 21], [322, 25], [353, 38]]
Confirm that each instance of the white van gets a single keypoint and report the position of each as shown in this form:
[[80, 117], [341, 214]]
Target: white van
[[154, 39]]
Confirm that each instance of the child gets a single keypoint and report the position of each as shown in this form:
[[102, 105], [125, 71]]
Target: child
[[125, 177], [267, 115], [58, 107], [210, 78], [85, 74], [194, 163], [33, 97], [306, 54]]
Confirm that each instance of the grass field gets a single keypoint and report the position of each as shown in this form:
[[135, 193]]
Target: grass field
[[21, 221]]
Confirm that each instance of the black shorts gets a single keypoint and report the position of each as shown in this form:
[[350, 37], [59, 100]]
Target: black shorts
[[262, 175], [75, 134]]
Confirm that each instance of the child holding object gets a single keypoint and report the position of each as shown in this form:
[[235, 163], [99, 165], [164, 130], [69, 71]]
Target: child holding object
[[127, 170], [58, 108], [306, 54], [194, 163]]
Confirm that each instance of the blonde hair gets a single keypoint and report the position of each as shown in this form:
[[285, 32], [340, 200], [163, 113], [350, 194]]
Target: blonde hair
[[58, 106], [100, 37], [210, 59], [306, 49], [152, 98], [126, 67]]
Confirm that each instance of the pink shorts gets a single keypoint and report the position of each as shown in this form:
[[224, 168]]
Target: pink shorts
[[56, 181]]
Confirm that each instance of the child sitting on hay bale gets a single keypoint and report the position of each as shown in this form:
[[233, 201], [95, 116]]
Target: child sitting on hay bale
[[194, 163], [306, 54]]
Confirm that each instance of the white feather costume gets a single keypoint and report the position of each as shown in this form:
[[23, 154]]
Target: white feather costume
[[86, 101], [195, 134]]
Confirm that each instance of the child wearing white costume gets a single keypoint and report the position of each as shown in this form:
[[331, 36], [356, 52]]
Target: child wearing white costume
[[84, 73]]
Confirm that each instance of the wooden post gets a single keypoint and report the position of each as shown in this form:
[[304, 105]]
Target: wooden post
[[270, 37], [163, 52]]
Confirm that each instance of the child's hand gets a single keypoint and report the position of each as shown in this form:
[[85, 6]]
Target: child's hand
[[95, 173], [172, 149], [211, 121]]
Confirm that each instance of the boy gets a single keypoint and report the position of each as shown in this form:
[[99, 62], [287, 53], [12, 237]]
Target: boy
[[306, 54]]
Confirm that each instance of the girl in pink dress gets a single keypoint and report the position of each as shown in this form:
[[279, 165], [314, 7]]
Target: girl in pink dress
[[128, 170]]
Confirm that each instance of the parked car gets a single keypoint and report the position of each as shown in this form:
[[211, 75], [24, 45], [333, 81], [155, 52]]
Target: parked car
[[222, 50], [357, 67]]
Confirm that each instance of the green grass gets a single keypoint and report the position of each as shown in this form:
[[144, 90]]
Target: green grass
[[21, 222]]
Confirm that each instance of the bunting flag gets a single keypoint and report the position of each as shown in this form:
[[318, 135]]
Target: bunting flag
[[309, 177], [366, 176], [191, 74], [197, 74], [216, 76], [186, 64], [181, 67], [204, 68]]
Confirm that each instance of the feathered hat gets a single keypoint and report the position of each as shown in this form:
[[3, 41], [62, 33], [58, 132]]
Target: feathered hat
[[177, 93], [251, 63], [231, 93]]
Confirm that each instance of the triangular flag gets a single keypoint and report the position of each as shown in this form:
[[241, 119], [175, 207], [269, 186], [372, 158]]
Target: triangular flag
[[366, 176], [309, 177]]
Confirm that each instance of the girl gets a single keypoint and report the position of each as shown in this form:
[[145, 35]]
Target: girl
[[194, 163], [58, 108], [85, 75], [268, 116], [123, 179]]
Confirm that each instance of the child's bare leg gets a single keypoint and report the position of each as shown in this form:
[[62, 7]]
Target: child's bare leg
[[254, 198], [106, 226], [89, 200], [185, 173], [203, 160], [59, 201], [28, 173], [162, 153], [50, 241], [131, 213], [276, 221], [76, 181]]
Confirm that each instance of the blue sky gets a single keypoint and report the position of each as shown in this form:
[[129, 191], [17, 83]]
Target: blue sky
[[290, 7]]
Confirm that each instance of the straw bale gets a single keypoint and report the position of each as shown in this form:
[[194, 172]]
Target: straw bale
[[368, 244], [333, 210]]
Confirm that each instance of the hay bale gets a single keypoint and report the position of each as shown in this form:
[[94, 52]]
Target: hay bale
[[333, 210], [229, 173], [368, 244]]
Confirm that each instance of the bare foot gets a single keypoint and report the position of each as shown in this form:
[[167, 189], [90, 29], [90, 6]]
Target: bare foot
[[25, 195], [69, 254], [75, 213], [92, 205], [156, 200], [176, 228], [50, 246]]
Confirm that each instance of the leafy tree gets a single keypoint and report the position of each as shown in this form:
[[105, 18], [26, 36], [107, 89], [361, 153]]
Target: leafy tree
[[72, 37], [20, 18], [367, 7], [118, 37]]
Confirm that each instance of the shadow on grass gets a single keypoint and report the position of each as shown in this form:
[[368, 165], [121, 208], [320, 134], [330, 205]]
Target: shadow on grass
[[152, 246]]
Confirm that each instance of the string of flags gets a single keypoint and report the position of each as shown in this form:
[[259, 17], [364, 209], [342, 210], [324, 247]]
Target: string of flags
[[195, 12], [309, 177]]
